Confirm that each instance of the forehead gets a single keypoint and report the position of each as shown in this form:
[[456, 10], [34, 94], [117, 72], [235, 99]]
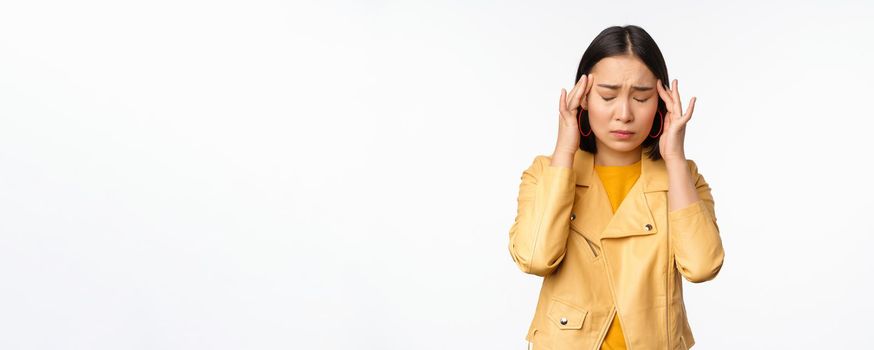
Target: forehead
[[622, 69]]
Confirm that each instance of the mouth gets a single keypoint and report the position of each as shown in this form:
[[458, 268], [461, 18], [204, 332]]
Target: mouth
[[622, 134]]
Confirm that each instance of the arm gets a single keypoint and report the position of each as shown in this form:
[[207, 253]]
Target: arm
[[538, 237], [693, 232]]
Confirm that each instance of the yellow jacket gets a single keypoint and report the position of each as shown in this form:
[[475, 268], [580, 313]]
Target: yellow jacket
[[596, 263]]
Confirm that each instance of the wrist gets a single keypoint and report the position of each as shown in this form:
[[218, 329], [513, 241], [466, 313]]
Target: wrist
[[676, 164], [678, 158], [562, 158], [564, 152]]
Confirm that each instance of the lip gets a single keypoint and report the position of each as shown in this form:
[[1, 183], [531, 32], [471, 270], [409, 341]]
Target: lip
[[621, 134]]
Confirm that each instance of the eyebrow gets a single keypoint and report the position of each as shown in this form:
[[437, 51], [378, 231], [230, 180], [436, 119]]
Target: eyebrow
[[633, 87]]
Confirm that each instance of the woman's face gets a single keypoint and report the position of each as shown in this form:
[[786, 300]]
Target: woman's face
[[623, 98]]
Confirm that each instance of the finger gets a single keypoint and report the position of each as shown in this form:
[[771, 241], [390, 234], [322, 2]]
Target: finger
[[691, 108], [579, 84], [574, 89], [584, 90], [589, 85], [578, 95], [677, 100], [562, 103], [667, 125], [569, 95], [663, 93]]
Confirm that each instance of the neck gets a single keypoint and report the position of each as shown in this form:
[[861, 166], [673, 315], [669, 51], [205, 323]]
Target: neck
[[611, 157]]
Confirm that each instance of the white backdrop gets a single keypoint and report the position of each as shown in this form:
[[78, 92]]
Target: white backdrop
[[343, 175]]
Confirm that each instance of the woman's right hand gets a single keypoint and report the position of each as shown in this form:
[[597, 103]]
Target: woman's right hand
[[568, 129]]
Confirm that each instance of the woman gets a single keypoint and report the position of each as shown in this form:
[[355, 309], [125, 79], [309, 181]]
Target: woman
[[616, 216]]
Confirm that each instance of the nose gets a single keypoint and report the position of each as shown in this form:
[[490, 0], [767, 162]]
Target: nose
[[623, 112]]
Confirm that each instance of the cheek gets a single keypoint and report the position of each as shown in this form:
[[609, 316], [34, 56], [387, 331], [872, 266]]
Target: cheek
[[599, 116], [646, 113]]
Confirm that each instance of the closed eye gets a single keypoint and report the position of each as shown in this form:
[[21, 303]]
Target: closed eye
[[608, 99]]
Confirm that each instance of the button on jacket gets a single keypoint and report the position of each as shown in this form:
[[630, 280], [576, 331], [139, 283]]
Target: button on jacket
[[596, 263]]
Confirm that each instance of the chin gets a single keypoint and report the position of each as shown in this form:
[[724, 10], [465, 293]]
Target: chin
[[619, 145], [629, 146], [625, 148]]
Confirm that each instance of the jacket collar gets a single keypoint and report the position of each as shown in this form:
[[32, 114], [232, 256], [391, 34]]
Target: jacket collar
[[653, 173], [634, 213]]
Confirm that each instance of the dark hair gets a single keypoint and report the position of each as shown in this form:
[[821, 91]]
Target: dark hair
[[619, 41]]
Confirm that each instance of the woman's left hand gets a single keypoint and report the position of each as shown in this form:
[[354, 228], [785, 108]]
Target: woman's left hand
[[674, 132]]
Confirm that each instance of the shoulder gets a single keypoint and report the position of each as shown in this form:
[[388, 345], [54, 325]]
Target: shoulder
[[690, 163], [693, 167], [540, 162], [542, 166], [697, 177]]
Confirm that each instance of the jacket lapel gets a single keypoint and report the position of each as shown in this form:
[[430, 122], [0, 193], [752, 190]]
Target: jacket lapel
[[633, 217]]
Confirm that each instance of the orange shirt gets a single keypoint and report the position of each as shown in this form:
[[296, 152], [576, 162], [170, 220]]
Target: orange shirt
[[617, 180]]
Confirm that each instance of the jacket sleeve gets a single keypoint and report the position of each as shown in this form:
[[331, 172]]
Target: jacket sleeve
[[695, 235], [538, 237]]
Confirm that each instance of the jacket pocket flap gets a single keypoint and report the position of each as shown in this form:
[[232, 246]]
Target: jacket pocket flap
[[565, 315]]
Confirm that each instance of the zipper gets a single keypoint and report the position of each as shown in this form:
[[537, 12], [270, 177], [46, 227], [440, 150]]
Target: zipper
[[606, 328], [613, 292]]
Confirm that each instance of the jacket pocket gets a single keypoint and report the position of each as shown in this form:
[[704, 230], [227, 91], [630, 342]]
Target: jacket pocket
[[565, 315], [592, 249], [596, 251]]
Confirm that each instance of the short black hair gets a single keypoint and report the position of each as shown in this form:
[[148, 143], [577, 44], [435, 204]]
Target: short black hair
[[620, 41]]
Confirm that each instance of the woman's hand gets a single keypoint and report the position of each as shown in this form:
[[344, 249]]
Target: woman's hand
[[568, 128], [674, 133]]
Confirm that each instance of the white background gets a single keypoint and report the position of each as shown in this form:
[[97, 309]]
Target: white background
[[343, 175]]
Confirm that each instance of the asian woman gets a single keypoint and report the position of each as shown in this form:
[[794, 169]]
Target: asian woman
[[617, 216]]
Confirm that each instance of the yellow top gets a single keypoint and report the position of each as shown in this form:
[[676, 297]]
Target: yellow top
[[617, 180]]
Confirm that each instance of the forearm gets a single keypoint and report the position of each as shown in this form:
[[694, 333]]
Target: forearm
[[695, 238], [681, 185], [538, 237]]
